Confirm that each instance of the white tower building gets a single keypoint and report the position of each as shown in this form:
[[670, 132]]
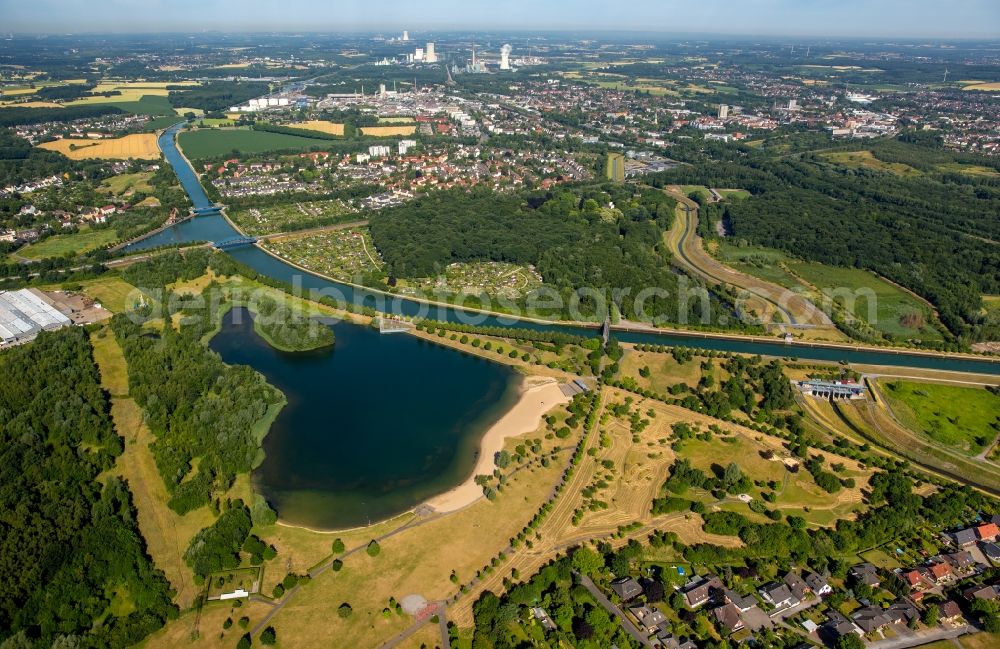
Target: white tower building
[[429, 55], [723, 111], [406, 35]]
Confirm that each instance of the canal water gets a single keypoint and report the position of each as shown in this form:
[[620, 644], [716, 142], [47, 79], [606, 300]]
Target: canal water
[[373, 426], [380, 423]]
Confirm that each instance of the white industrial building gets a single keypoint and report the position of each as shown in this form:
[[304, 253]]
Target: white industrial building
[[24, 313]]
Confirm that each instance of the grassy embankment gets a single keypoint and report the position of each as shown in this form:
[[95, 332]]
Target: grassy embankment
[[966, 419], [888, 308]]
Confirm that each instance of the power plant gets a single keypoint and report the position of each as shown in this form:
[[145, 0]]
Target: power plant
[[505, 57]]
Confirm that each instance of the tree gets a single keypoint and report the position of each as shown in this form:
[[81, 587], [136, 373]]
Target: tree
[[244, 642], [930, 616], [345, 610], [373, 548], [269, 636], [587, 562], [849, 641], [338, 546]]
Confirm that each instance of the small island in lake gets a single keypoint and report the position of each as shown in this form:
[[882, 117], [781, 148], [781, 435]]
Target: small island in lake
[[288, 330]]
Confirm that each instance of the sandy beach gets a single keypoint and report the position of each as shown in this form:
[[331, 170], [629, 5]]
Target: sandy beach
[[538, 396]]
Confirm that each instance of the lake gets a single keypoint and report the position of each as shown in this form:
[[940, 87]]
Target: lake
[[373, 426]]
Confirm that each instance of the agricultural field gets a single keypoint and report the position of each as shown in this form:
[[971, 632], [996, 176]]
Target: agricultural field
[[126, 184], [865, 159], [211, 143], [988, 87], [330, 128], [287, 217], [966, 419], [213, 122], [395, 120], [969, 169], [896, 312], [340, 254], [141, 146], [491, 277], [73, 244], [388, 131]]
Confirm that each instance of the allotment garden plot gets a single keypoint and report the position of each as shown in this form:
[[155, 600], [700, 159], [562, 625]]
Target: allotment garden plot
[[491, 277], [290, 216], [341, 254]]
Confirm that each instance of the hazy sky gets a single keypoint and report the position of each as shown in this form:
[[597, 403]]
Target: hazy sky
[[890, 18]]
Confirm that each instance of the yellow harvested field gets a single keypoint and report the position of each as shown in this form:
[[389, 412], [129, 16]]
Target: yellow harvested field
[[983, 86], [130, 91], [387, 131], [184, 111], [322, 126], [138, 145], [30, 104]]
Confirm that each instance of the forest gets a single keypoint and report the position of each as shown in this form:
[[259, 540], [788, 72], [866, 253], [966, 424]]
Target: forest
[[573, 237], [196, 405], [934, 233], [215, 96], [73, 562]]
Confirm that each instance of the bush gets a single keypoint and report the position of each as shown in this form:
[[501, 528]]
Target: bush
[[344, 611], [373, 548], [338, 546]]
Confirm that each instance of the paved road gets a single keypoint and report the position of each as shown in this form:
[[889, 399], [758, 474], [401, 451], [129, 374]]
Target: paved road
[[588, 583], [922, 637]]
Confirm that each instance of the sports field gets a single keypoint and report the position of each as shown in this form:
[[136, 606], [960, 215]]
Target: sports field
[[137, 145], [210, 143], [330, 128], [388, 131]]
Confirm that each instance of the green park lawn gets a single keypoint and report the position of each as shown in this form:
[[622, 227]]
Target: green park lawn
[[966, 419]]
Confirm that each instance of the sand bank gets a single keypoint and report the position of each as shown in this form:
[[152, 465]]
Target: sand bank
[[538, 396]]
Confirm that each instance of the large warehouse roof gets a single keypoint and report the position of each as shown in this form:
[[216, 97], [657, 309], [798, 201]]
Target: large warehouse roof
[[23, 314]]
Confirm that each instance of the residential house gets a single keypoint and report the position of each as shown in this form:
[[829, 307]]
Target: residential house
[[543, 618], [649, 618], [981, 592], [702, 591], [818, 584], [778, 595], [950, 612], [626, 588], [742, 602], [866, 573], [940, 572], [991, 551], [871, 619], [917, 579], [728, 618], [902, 611], [965, 537], [961, 561], [988, 532], [796, 585]]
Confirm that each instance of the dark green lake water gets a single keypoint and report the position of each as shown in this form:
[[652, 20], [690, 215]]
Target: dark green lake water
[[372, 427]]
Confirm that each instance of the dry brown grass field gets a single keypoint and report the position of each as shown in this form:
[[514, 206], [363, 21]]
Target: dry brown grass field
[[137, 145]]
